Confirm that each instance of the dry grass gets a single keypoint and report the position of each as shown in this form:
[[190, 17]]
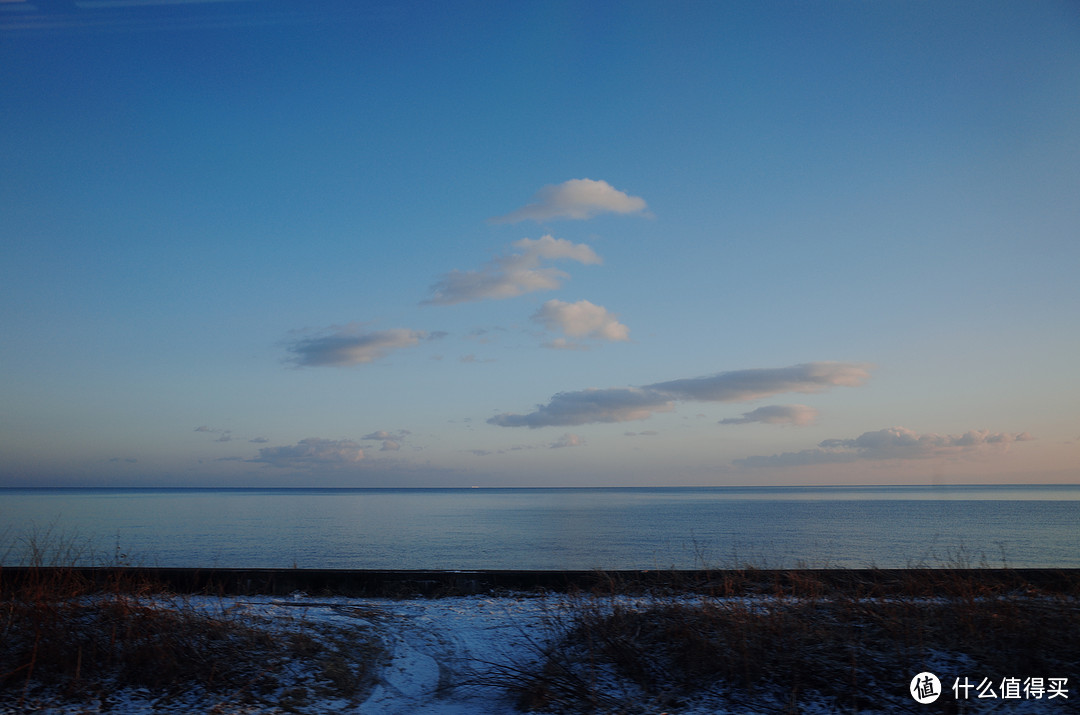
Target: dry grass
[[778, 641], [809, 643], [62, 637]]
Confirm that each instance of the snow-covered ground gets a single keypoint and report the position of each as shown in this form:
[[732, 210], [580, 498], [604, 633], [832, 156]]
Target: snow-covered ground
[[434, 650], [440, 656]]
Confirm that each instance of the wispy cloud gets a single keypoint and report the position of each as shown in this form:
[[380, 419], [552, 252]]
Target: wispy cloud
[[391, 441], [622, 404], [776, 415], [565, 344], [472, 359], [890, 443], [900, 442], [577, 199], [343, 347], [754, 384], [567, 440], [512, 275], [618, 404], [383, 434], [581, 320], [311, 453], [225, 434]]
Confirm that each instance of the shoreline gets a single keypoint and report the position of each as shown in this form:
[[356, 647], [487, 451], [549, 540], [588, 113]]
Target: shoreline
[[405, 583]]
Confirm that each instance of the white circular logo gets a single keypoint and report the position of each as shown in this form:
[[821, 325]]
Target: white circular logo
[[925, 688]]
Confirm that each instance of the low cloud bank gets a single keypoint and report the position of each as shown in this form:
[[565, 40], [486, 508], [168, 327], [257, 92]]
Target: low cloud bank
[[890, 443], [312, 452], [391, 441]]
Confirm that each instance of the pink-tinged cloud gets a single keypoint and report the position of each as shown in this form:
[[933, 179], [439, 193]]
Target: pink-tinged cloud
[[891, 443], [513, 275], [799, 415], [581, 320], [618, 404], [622, 404], [567, 440], [576, 199], [757, 383]]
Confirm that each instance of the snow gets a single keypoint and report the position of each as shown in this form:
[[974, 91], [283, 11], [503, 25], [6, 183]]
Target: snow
[[436, 650], [440, 655]]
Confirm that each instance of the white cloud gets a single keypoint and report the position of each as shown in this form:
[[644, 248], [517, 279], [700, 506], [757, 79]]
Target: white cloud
[[312, 452], [776, 415], [347, 346], [512, 275], [581, 320], [621, 404], [552, 248], [567, 440], [618, 404], [890, 443], [574, 199], [744, 385]]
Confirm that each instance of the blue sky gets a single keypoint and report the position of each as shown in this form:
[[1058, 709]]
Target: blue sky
[[421, 244]]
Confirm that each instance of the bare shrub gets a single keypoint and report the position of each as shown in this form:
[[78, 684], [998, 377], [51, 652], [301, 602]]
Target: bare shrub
[[61, 636], [651, 654]]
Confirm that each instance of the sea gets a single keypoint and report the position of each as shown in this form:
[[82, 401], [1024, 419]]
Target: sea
[[1019, 526]]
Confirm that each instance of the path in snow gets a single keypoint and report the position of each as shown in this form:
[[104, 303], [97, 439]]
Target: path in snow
[[436, 648]]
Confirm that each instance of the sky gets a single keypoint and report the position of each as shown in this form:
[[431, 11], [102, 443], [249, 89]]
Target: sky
[[283, 243]]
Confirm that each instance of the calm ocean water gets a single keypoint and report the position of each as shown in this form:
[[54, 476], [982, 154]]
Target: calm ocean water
[[1021, 526]]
